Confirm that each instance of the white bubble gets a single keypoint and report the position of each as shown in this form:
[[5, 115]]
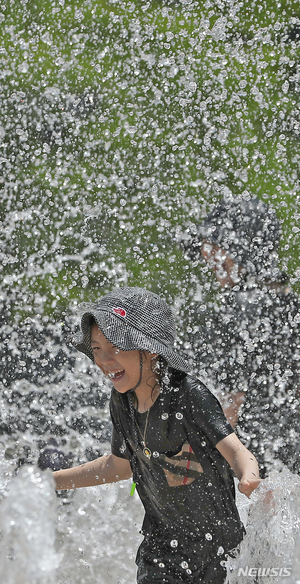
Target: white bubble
[[192, 86]]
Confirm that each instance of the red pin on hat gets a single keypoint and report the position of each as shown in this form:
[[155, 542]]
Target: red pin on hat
[[120, 311]]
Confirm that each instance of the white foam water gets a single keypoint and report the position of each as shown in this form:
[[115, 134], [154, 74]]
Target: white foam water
[[270, 551], [98, 535], [90, 536], [28, 523]]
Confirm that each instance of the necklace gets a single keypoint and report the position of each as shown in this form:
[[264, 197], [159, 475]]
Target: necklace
[[146, 451]]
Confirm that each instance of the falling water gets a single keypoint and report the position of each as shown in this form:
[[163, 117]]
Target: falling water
[[270, 550], [82, 537], [28, 522], [91, 535], [123, 122], [98, 535]]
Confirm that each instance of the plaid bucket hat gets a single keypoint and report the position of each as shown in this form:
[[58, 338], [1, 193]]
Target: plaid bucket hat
[[132, 319]]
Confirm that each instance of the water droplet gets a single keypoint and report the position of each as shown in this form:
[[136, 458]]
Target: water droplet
[[179, 416], [189, 571], [161, 565], [184, 565], [174, 543], [220, 551], [165, 416], [155, 454], [208, 536]]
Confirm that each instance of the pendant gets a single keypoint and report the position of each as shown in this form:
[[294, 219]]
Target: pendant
[[147, 452]]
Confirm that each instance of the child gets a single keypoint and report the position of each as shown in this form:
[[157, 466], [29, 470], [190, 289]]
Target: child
[[170, 434]]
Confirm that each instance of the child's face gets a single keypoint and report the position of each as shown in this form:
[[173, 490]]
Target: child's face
[[226, 270], [122, 367]]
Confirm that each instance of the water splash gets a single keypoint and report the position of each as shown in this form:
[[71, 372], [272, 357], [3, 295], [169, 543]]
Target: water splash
[[96, 532], [295, 576], [27, 523], [98, 535], [269, 550]]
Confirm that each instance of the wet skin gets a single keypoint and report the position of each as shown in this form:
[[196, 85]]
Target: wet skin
[[123, 368], [224, 267]]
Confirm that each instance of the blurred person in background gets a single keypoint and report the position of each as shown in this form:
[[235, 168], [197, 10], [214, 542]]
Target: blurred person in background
[[249, 346]]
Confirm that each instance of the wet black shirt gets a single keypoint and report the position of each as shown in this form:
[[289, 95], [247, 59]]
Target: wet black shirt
[[186, 486]]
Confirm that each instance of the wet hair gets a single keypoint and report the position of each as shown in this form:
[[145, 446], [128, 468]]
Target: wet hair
[[92, 322]]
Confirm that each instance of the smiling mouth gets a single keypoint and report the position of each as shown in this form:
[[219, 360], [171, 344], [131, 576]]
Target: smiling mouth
[[115, 374]]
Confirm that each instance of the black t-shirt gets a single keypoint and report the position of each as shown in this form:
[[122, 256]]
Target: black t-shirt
[[186, 486]]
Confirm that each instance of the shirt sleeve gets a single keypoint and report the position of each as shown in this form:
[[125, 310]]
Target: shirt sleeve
[[118, 443], [205, 412]]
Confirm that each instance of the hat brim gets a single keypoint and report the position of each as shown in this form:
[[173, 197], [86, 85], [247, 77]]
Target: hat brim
[[125, 338]]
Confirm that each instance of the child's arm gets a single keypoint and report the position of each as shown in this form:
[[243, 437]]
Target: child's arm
[[242, 461], [106, 469]]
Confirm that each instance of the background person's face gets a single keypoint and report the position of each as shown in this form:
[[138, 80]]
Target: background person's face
[[225, 269]]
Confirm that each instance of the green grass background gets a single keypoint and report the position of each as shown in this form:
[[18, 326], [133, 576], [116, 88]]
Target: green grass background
[[123, 122]]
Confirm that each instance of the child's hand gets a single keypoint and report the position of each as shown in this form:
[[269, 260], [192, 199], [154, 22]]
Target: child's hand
[[247, 486]]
